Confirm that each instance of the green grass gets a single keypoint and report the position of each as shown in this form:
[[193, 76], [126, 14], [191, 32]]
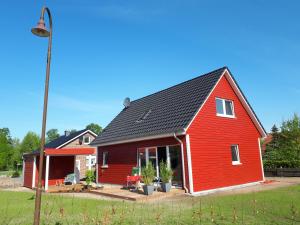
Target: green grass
[[279, 206]]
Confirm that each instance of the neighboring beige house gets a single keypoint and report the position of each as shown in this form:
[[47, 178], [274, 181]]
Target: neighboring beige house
[[69, 153], [82, 140]]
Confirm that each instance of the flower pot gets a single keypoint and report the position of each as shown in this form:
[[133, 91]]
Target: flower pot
[[148, 189], [166, 187]]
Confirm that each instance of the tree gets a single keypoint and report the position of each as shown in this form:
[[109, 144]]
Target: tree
[[4, 132], [30, 143], [97, 129], [285, 144], [6, 149], [52, 134], [73, 131]]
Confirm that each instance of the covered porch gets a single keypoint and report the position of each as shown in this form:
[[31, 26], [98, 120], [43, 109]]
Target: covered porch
[[58, 164]]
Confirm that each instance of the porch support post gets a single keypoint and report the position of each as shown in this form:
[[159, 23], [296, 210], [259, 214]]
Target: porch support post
[[23, 170], [47, 172], [33, 172], [168, 156], [189, 161], [97, 166]]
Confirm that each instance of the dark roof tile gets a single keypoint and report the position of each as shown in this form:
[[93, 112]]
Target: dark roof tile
[[171, 110]]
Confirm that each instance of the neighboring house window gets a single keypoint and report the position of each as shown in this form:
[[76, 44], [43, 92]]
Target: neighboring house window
[[90, 161], [224, 107], [86, 140], [235, 155], [105, 159]]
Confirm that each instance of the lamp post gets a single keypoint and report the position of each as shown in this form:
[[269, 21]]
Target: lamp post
[[41, 31]]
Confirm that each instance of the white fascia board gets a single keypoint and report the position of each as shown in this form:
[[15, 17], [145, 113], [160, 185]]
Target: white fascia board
[[237, 91], [194, 117], [245, 104], [67, 142], [138, 139]]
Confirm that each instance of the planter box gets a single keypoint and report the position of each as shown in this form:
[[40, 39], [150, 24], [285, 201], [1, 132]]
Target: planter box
[[148, 189], [282, 172], [166, 187]]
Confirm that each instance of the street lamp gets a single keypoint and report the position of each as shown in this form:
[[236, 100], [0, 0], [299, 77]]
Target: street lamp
[[41, 31]]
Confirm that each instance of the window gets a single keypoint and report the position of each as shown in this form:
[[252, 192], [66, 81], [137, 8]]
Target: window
[[105, 159], [90, 161], [224, 107], [86, 140], [235, 155]]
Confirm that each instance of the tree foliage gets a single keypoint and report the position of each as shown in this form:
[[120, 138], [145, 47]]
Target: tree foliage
[[6, 149], [52, 134], [30, 142], [96, 128], [285, 144]]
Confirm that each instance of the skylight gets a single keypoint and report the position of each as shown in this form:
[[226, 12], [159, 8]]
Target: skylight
[[144, 116]]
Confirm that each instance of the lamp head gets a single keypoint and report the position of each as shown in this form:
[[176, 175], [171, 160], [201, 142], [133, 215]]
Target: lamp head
[[40, 30]]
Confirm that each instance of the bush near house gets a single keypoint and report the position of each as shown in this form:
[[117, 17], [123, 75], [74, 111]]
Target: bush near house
[[284, 149]]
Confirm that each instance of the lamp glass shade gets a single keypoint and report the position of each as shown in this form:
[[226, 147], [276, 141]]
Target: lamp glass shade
[[40, 30]]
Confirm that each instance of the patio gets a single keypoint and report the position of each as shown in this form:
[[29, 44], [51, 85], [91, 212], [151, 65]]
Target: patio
[[138, 196]]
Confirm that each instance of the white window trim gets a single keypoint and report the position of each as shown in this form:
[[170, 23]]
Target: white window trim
[[238, 162], [104, 165], [86, 143], [224, 108]]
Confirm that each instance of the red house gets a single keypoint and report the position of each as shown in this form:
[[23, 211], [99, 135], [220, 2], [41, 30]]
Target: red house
[[204, 128], [70, 153]]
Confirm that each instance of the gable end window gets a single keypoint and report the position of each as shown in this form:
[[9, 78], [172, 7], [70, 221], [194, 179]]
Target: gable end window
[[105, 159], [235, 155], [86, 140], [224, 107]]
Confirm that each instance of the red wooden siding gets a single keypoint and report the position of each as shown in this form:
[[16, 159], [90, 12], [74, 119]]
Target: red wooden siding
[[210, 140], [122, 157], [28, 171]]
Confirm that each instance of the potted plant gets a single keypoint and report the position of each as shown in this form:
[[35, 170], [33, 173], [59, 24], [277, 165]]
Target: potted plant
[[148, 174], [89, 178], [165, 175]]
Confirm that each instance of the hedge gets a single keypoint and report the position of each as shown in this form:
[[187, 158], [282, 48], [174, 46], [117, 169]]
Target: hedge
[[272, 164]]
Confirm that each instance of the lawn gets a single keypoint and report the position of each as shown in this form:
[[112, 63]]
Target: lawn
[[279, 206]]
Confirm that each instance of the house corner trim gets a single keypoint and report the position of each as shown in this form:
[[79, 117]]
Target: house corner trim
[[189, 161]]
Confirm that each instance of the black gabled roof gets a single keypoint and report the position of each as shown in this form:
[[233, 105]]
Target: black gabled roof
[[165, 112], [60, 141], [63, 139]]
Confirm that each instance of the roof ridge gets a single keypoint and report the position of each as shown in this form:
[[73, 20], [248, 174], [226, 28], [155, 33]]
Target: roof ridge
[[202, 75]]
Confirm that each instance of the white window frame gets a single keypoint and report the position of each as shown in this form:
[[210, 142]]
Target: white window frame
[[238, 162], [104, 165], [89, 159], [86, 143], [224, 108]]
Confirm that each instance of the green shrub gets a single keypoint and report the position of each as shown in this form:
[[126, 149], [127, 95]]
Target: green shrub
[[90, 177], [148, 174], [15, 174], [165, 172], [273, 164]]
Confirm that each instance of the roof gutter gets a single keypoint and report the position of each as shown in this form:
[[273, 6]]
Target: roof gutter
[[95, 144], [183, 164]]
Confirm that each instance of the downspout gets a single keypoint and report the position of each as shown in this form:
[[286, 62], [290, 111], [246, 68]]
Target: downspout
[[183, 164]]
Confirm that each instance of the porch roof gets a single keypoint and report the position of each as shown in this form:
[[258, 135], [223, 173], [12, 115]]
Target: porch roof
[[70, 151]]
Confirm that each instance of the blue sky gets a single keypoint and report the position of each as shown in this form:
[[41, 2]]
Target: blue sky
[[104, 51]]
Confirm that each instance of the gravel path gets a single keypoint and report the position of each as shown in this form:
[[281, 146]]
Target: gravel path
[[8, 182]]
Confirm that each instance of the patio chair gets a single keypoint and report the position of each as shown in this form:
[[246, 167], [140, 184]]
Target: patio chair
[[70, 179]]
